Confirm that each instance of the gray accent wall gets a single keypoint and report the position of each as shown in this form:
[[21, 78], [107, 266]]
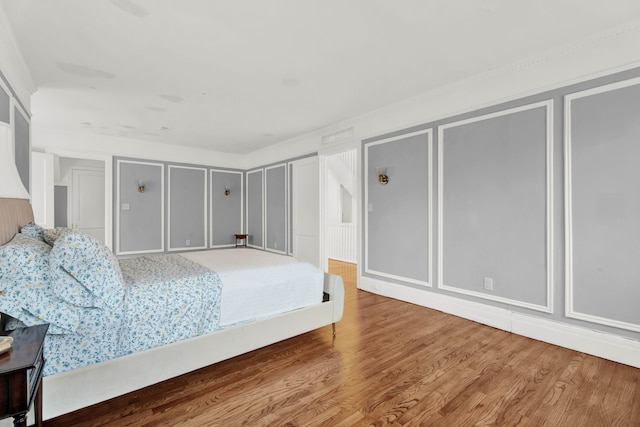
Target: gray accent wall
[[540, 196], [398, 213], [5, 106], [22, 139], [226, 210], [60, 205], [255, 209], [493, 204], [604, 161], [187, 210], [276, 208], [140, 216]]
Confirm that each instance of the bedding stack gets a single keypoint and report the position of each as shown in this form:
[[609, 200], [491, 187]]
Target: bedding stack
[[73, 282]]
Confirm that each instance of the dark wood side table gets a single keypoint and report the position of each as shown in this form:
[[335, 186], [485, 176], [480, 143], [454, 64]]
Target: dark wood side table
[[243, 239], [21, 375]]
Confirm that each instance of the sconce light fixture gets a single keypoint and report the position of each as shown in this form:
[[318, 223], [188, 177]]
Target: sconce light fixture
[[382, 176], [226, 190], [141, 186]]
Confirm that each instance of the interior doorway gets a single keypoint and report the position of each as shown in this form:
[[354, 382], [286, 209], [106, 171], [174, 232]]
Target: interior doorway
[[341, 213], [84, 207]]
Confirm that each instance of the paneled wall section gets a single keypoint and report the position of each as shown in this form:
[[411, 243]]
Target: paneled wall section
[[183, 207], [602, 166], [517, 230]]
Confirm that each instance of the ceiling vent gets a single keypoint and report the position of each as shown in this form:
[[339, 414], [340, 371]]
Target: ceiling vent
[[341, 135]]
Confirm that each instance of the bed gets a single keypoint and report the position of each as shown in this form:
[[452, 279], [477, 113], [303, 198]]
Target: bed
[[170, 316]]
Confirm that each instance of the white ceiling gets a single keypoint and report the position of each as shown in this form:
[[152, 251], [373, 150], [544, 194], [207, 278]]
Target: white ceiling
[[238, 75]]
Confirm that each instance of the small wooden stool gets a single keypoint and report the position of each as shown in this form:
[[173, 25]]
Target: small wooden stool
[[241, 238]]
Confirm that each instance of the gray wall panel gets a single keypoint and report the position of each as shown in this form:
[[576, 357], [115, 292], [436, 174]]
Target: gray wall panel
[[23, 147], [276, 208], [60, 206], [398, 212], [187, 207], [254, 208], [141, 225], [494, 206], [5, 106], [226, 211], [605, 178]]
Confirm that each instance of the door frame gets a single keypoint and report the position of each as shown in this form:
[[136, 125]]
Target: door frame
[[324, 176], [108, 185]]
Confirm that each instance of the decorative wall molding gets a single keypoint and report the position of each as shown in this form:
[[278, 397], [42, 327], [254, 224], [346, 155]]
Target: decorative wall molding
[[607, 346], [211, 207], [570, 310], [548, 307], [170, 246], [261, 172], [286, 208], [118, 206], [369, 270]]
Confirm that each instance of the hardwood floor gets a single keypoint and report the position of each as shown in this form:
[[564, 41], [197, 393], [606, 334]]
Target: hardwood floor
[[393, 364]]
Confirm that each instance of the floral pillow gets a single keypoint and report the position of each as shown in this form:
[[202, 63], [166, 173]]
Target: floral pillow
[[51, 235], [69, 289], [89, 262], [33, 230], [25, 293]]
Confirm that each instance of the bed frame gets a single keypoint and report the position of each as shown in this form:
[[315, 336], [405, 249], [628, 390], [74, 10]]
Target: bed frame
[[72, 390]]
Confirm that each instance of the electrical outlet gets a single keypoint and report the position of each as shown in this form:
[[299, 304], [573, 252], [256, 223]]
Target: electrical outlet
[[488, 283], [188, 242]]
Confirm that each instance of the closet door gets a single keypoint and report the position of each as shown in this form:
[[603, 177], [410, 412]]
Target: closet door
[[139, 214], [187, 204], [255, 209], [226, 195], [276, 208]]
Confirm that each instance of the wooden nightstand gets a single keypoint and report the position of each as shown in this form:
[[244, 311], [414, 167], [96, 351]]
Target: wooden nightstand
[[21, 375], [243, 240]]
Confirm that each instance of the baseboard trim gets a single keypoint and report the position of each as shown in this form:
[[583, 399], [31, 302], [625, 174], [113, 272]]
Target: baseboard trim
[[597, 343]]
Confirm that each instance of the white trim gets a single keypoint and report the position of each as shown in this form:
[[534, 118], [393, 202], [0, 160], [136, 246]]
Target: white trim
[[600, 344], [204, 218], [568, 200], [548, 307], [118, 204], [261, 171], [429, 134], [242, 223], [286, 218]]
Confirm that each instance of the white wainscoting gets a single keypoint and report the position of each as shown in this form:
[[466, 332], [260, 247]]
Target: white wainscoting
[[342, 242]]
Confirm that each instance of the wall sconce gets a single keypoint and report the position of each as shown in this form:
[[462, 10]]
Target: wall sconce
[[226, 190], [141, 186], [382, 176]]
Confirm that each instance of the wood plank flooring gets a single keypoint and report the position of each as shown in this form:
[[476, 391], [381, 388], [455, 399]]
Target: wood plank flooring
[[391, 364]]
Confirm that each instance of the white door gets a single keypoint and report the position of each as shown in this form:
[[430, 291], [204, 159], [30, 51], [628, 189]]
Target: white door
[[305, 194], [87, 202]]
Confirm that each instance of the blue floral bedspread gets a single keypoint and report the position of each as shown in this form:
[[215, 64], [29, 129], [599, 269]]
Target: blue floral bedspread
[[167, 298], [100, 308]]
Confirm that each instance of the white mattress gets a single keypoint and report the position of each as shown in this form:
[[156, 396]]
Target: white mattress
[[258, 284]]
